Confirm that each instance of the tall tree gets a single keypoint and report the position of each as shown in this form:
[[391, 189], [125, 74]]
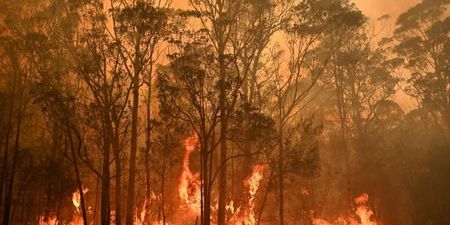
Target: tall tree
[[22, 60], [188, 92], [225, 26], [364, 84], [422, 42], [98, 64], [311, 23], [138, 28]]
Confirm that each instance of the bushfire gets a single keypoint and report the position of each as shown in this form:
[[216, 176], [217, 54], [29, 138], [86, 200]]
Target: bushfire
[[189, 184], [189, 193], [362, 215]]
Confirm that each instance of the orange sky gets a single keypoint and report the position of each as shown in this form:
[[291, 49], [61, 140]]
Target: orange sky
[[377, 8], [372, 8]]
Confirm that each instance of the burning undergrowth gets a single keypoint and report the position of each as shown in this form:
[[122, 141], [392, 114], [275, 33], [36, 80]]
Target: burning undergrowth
[[189, 200]]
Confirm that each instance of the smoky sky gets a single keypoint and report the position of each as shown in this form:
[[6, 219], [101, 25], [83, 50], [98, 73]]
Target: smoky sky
[[377, 8], [372, 8]]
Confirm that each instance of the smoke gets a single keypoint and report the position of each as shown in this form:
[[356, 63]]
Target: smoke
[[377, 8]]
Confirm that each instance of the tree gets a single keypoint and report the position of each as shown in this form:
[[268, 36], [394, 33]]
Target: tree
[[219, 19], [21, 62], [422, 43], [187, 91], [138, 29], [98, 65], [61, 109], [311, 23], [364, 84]]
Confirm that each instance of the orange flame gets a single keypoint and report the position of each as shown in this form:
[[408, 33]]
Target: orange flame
[[246, 216], [141, 212], [51, 220], [189, 183], [139, 217], [76, 199], [363, 215], [304, 191], [76, 218]]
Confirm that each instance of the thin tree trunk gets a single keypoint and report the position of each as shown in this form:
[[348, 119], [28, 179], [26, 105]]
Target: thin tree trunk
[[10, 188], [118, 178], [205, 181], [105, 210], [266, 195], [281, 174], [223, 142], [343, 126], [97, 195], [148, 139], [133, 151], [7, 136], [221, 33], [253, 78], [22, 209], [163, 181], [77, 174]]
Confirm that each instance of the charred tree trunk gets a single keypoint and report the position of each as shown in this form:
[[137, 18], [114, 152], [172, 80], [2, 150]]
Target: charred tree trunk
[[148, 139], [78, 177], [7, 137], [266, 195], [281, 174], [343, 126], [10, 182], [105, 210], [118, 178], [205, 204], [133, 150], [223, 142], [163, 182]]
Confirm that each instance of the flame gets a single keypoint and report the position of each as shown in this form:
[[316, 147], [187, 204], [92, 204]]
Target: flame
[[77, 219], [230, 207], [189, 189], [141, 212], [304, 191], [363, 215], [51, 220], [189, 183], [76, 199], [246, 216], [139, 217], [190, 195]]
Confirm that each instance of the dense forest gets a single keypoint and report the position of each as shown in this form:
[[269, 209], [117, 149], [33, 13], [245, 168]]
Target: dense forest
[[223, 112]]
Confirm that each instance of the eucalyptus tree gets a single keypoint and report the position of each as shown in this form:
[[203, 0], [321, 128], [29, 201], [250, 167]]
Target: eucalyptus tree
[[239, 32], [362, 77], [138, 28], [97, 63], [219, 19], [20, 67], [256, 29], [23, 50], [421, 42], [187, 91], [312, 22], [421, 39]]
